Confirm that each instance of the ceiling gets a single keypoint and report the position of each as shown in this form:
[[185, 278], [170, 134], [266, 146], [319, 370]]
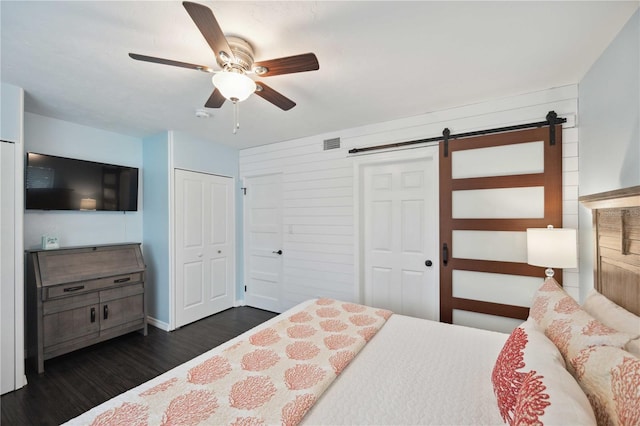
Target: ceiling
[[379, 60]]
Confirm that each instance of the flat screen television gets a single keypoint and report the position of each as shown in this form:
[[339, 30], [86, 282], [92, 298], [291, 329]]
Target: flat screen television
[[59, 183]]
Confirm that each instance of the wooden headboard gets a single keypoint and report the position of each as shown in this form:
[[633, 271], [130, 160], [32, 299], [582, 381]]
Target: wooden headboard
[[616, 227]]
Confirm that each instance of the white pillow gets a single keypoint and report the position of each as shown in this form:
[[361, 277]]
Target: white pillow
[[532, 385], [568, 326], [614, 316]]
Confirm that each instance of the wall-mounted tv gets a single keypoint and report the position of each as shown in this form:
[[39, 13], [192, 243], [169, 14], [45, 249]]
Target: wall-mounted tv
[[59, 183]]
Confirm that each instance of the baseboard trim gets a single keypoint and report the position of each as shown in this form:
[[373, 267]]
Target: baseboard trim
[[238, 303], [158, 324]]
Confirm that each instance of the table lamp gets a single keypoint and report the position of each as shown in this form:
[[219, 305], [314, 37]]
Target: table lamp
[[552, 248]]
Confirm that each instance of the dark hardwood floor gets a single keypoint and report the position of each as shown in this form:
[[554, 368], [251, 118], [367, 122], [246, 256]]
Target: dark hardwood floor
[[75, 382]]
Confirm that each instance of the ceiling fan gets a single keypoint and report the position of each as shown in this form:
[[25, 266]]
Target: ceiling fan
[[235, 56]]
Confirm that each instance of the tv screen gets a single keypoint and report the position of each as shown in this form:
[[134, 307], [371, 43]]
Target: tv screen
[[58, 183]]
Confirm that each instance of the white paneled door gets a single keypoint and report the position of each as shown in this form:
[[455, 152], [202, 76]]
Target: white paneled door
[[263, 241], [204, 245], [399, 212]]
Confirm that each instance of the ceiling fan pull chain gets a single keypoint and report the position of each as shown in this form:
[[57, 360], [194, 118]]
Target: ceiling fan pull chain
[[236, 117]]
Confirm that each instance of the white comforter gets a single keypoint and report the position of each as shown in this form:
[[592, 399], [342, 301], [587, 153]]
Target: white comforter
[[416, 372]]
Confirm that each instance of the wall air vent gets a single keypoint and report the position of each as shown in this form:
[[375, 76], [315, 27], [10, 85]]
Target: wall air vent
[[331, 143]]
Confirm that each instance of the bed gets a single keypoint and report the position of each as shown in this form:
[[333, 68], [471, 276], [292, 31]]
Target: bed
[[351, 364]]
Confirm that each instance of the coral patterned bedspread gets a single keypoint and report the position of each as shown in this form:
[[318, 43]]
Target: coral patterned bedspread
[[269, 376]]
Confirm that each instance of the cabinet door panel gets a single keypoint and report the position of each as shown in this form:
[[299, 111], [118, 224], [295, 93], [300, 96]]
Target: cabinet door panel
[[67, 325], [121, 311]]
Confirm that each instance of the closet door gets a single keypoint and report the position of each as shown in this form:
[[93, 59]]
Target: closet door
[[204, 245], [492, 188]]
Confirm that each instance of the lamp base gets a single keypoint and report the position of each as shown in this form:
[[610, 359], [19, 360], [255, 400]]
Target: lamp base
[[549, 272]]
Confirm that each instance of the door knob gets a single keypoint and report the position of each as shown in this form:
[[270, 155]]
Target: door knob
[[279, 252], [428, 263]]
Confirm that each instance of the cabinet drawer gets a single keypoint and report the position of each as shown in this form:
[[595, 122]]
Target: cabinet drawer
[[86, 286], [121, 292], [68, 303]]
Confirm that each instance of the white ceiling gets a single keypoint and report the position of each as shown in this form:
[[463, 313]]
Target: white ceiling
[[378, 60]]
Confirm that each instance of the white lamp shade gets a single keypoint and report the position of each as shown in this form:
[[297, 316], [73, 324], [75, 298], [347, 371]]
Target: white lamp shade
[[552, 247], [234, 86]]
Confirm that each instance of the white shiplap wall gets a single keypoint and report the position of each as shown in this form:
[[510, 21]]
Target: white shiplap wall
[[319, 235]]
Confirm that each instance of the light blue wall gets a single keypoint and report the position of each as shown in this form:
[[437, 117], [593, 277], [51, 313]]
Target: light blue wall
[[150, 225], [56, 137], [203, 156], [9, 112], [609, 108], [155, 174], [609, 130]]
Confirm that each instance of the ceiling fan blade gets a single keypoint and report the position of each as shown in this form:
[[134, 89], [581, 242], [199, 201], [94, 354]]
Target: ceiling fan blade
[[288, 65], [163, 61], [276, 98], [208, 26], [215, 100]]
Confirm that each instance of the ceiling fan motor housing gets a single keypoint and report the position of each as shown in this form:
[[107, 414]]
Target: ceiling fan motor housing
[[242, 55]]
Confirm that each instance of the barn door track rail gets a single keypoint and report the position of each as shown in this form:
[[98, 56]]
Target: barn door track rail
[[551, 120]]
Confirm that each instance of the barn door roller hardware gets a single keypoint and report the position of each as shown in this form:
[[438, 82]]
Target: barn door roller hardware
[[551, 120], [446, 134]]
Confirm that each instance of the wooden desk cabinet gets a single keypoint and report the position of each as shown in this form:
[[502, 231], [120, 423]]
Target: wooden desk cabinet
[[80, 296]]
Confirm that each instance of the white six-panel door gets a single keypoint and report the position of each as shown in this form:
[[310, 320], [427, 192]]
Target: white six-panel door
[[263, 241], [204, 245], [400, 235]]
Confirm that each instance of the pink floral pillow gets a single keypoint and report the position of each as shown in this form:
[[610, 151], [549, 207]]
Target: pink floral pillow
[[532, 385], [568, 326], [611, 379]]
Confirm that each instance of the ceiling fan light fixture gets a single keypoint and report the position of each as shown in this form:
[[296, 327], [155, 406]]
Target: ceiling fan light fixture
[[234, 86]]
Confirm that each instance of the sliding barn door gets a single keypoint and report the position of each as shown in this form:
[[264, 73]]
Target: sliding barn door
[[492, 188]]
